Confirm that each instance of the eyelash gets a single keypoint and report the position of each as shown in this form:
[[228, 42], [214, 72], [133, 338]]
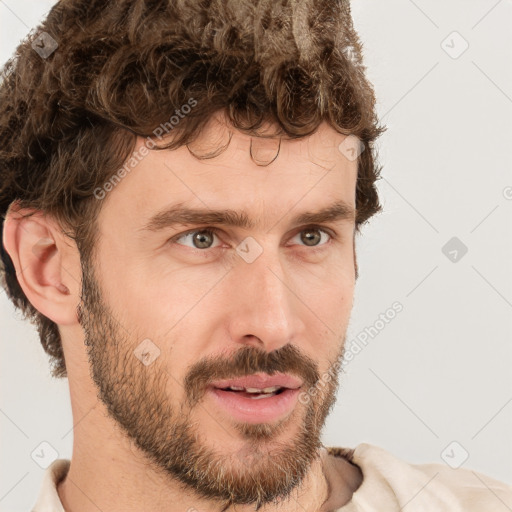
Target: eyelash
[[216, 231]]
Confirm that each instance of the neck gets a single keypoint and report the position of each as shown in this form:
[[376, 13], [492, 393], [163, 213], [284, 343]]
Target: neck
[[99, 478]]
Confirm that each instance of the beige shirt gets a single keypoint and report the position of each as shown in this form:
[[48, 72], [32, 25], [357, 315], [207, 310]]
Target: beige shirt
[[389, 485]]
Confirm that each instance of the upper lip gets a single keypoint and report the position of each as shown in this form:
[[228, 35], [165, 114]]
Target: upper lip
[[260, 381]]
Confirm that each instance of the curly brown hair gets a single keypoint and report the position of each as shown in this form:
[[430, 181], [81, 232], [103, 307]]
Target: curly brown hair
[[69, 118]]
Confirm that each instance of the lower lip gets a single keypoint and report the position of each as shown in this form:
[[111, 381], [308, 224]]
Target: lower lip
[[250, 410]]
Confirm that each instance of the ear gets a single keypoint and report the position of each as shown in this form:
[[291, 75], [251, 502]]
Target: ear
[[45, 263]]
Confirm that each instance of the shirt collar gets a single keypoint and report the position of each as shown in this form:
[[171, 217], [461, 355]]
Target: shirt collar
[[48, 499]]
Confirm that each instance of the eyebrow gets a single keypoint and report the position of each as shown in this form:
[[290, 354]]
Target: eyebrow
[[178, 214]]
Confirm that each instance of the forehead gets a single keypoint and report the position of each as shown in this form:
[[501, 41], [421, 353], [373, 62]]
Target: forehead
[[303, 175], [322, 146]]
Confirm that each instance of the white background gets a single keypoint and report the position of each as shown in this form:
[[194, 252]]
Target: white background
[[440, 371]]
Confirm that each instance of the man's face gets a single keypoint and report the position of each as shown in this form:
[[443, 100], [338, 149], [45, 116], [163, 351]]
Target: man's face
[[168, 311]]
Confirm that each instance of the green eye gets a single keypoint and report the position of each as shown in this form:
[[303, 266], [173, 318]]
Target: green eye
[[201, 239], [312, 236]]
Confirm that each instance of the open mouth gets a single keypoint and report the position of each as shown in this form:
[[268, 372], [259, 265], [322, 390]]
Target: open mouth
[[254, 393], [256, 398], [251, 405]]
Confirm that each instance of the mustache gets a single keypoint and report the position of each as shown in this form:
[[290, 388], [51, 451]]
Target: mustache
[[247, 361]]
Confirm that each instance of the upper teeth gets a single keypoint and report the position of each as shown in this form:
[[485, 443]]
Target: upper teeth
[[254, 390]]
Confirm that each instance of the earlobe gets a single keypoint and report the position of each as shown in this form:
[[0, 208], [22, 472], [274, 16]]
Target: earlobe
[[35, 247]]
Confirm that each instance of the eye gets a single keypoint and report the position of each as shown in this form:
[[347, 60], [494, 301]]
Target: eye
[[204, 238], [312, 236], [200, 238]]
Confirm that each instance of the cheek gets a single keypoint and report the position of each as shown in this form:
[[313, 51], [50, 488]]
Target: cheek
[[156, 300], [330, 283], [332, 300], [334, 304], [177, 314]]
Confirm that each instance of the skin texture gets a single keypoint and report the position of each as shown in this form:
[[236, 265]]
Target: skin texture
[[150, 437]]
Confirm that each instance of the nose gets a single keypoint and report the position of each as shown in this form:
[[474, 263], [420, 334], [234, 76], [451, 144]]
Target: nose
[[264, 310]]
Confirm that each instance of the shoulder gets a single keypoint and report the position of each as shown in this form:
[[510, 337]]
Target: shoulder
[[474, 490], [437, 487]]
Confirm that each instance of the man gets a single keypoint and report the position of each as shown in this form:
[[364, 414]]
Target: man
[[182, 183]]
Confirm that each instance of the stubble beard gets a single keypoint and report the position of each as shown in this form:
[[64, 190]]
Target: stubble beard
[[263, 471]]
